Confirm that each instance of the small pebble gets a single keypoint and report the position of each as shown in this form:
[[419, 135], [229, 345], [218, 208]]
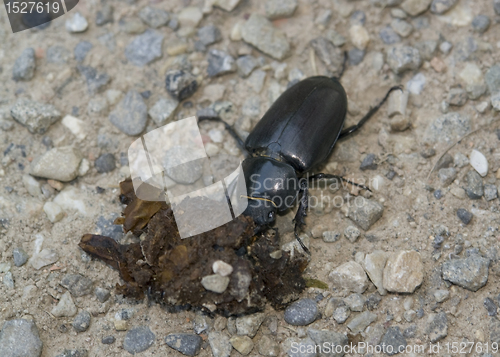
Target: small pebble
[[330, 236], [216, 283], [154, 17], [24, 67], [474, 188], [490, 306], [490, 192], [77, 23], [464, 215], [130, 115], [145, 48], [209, 35], [82, 321], [301, 313], [138, 339], [403, 58], [481, 23], [20, 256], [276, 9], [102, 294], [189, 344], [105, 163], [441, 295], [180, 84], [108, 340], [352, 233]]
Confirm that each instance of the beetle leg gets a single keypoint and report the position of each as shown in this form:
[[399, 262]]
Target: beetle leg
[[230, 130], [302, 213], [368, 115], [329, 176]]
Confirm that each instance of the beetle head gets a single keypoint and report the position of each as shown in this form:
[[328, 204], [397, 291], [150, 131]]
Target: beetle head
[[263, 211]]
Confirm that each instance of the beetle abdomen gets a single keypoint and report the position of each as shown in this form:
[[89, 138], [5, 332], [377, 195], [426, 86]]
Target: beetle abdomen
[[305, 121]]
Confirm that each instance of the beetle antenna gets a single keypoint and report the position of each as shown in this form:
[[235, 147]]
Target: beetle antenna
[[229, 129]]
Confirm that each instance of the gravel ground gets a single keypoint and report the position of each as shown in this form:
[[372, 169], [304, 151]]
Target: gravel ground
[[419, 265]]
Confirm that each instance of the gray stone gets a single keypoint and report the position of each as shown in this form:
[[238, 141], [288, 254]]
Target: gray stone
[[188, 344], [447, 176], [337, 39], [154, 17], [403, 272], [389, 36], [36, 117], [24, 67], [246, 64], [219, 343], [358, 17], [65, 307], [330, 55], [138, 339], [445, 47], [402, 27], [181, 172], [494, 330], [108, 340], [464, 49], [332, 305], [464, 215], [427, 49], [470, 272], [351, 233], [108, 40], [496, 6], [492, 78], [163, 110], [81, 50], [267, 346], [367, 214], [330, 338], [209, 35], [490, 192], [415, 7], [132, 25], [145, 48], [242, 344], [81, 322], [444, 162], [369, 162], [361, 322], [59, 164], [96, 81], [19, 338], [105, 163], [441, 6], [219, 63], [481, 23], [324, 17], [76, 23], [441, 295], [216, 283], [490, 306], [20, 256], [130, 115], [249, 325], [44, 258], [403, 58], [180, 84], [276, 9], [438, 327], [355, 56], [341, 314], [102, 294], [259, 32], [355, 302], [77, 284], [302, 312], [330, 236], [457, 97], [8, 280], [104, 15], [350, 276], [81, 352], [393, 341], [460, 160], [447, 128], [474, 188], [495, 101], [57, 54]]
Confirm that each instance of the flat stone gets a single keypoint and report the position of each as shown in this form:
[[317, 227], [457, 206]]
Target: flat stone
[[478, 162], [302, 312], [145, 48], [438, 327], [219, 63], [403, 272], [65, 307], [394, 341], [361, 322], [367, 214], [219, 343], [59, 164], [447, 128], [490, 192], [259, 32], [242, 344], [492, 78], [24, 67], [77, 284], [44, 258], [329, 338], [374, 265], [188, 344], [331, 56], [355, 302], [36, 117], [108, 340], [190, 16], [20, 256], [138, 339], [53, 211], [403, 58], [470, 273], [216, 283], [81, 322], [447, 176], [163, 110], [267, 346], [130, 115], [475, 187], [276, 9], [245, 65], [350, 276], [180, 84], [96, 81], [441, 6], [154, 17], [76, 23], [20, 338], [209, 35], [132, 25], [490, 306], [415, 7]]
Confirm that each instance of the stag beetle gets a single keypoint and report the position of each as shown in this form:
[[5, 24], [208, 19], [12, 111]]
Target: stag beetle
[[298, 132]]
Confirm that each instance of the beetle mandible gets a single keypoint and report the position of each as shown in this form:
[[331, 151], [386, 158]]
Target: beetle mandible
[[296, 133]]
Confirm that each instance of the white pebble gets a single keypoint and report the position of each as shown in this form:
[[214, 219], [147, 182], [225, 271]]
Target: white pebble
[[77, 23], [479, 162], [75, 126], [53, 211], [222, 268], [359, 36]]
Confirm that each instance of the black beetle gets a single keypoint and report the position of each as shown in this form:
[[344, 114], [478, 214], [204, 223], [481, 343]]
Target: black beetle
[[298, 132]]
